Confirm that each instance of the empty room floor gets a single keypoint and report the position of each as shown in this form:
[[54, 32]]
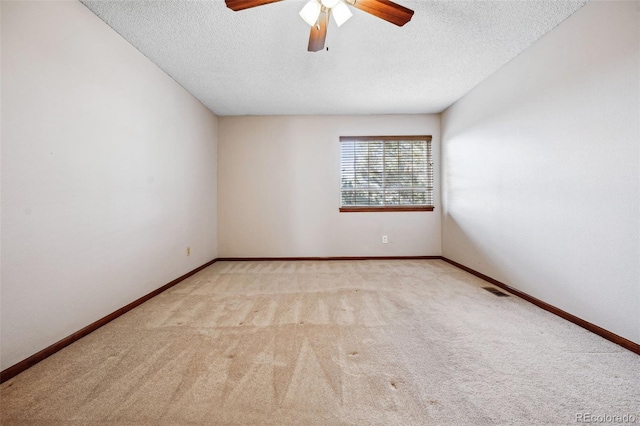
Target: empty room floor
[[329, 342]]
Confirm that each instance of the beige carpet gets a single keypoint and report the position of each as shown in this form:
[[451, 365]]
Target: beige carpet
[[344, 342]]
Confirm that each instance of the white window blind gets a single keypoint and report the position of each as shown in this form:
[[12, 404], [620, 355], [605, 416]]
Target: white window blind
[[386, 171]]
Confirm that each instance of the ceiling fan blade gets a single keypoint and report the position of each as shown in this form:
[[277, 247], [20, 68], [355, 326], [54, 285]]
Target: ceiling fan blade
[[319, 32], [237, 5], [384, 9]]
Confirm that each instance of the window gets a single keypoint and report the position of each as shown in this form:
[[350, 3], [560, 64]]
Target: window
[[386, 173]]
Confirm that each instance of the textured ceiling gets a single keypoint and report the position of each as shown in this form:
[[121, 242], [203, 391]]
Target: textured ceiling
[[255, 62]]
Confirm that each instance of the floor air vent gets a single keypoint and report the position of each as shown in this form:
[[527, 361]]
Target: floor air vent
[[495, 291]]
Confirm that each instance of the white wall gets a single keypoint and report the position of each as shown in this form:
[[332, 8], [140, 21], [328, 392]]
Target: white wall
[[278, 189], [108, 174], [541, 170]]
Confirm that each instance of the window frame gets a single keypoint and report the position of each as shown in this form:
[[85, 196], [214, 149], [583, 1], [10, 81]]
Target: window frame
[[388, 208]]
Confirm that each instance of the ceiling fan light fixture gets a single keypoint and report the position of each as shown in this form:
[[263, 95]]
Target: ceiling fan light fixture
[[341, 13], [310, 12], [329, 3]]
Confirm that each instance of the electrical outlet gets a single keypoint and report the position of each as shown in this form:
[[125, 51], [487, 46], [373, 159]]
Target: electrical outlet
[[188, 251], [384, 239]]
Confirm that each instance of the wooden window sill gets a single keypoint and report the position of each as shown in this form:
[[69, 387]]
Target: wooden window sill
[[369, 209]]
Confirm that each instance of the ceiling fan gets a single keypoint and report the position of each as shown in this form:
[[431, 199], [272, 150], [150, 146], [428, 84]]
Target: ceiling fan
[[316, 13]]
